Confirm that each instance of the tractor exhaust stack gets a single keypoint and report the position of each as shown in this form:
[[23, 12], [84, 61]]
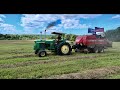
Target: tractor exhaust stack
[[45, 34], [40, 35]]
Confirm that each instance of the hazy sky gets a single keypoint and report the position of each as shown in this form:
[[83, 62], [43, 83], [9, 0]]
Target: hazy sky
[[70, 23]]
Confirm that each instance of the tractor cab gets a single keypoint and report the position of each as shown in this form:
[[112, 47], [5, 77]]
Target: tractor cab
[[60, 36]]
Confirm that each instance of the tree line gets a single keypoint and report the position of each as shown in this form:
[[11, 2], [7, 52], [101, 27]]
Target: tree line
[[17, 37], [113, 35], [70, 37]]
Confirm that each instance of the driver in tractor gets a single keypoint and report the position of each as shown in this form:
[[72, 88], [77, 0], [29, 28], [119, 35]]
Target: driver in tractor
[[58, 39]]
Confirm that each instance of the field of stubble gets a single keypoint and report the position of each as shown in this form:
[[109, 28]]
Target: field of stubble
[[18, 61]]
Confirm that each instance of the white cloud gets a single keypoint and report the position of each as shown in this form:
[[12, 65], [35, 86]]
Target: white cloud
[[2, 16], [40, 21], [116, 16], [36, 20], [84, 26], [78, 16], [85, 16], [1, 20], [52, 29], [72, 23], [6, 28]]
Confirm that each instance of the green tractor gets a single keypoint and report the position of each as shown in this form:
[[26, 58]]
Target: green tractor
[[59, 45]]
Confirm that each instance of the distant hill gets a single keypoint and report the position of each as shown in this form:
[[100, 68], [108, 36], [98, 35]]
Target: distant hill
[[113, 35]]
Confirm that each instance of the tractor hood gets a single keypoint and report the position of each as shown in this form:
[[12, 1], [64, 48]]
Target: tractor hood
[[43, 40], [40, 41]]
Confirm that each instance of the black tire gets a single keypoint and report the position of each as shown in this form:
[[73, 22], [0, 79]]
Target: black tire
[[101, 49], [86, 51], [41, 53], [36, 51], [64, 48], [76, 50], [90, 50], [95, 49]]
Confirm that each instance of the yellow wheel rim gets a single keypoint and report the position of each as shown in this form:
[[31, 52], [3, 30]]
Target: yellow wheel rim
[[65, 49]]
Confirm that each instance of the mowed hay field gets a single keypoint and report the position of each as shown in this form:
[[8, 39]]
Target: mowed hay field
[[18, 61]]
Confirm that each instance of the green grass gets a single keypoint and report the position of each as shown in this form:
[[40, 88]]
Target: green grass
[[113, 76], [17, 60]]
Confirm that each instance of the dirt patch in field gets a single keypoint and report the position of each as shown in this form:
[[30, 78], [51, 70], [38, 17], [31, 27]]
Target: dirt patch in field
[[89, 74]]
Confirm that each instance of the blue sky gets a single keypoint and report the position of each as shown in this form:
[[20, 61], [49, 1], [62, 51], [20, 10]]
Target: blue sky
[[70, 23]]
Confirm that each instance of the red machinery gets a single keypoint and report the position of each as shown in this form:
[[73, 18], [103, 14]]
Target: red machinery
[[91, 43]]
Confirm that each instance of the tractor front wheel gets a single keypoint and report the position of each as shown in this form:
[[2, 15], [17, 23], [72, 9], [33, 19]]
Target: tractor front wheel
[[36, 51], [42, 53]]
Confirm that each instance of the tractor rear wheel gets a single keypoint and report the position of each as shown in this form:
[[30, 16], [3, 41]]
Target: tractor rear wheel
[[64, 49], [42, 53]]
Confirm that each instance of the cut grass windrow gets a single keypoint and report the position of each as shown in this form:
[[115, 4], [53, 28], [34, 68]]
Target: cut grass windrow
[[48, 69], [35, 60], [100, 73], [17, 60]]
